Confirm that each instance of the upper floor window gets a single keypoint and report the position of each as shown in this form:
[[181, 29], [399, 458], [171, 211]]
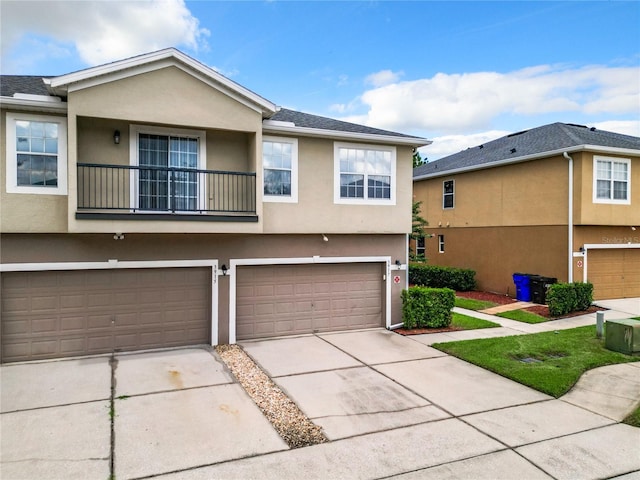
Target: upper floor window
[[611, 180], [36, 152], [280, 169], [448, 194], [364, 174]]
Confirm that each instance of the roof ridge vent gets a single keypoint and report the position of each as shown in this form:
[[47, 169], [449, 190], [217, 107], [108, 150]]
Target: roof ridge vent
[[517, 133]]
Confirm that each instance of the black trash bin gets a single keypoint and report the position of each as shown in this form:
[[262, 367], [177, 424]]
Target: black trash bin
[[539, 286]]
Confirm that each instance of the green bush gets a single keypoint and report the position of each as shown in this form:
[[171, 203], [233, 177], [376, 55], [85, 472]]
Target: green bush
[[424, 307], [564, 298], [561, 298], [584, 295], [433, 276]]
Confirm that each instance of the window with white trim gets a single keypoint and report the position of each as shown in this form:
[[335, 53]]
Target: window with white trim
[[364, 174], [36, 153], [448, 194], [169, 160], [440, 243], [611, 180], [420, 247], [280, 169]]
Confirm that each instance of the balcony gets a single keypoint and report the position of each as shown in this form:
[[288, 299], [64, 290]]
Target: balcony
[[123, 192]]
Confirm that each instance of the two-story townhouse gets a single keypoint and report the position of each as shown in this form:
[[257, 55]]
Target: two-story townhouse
[[151, 202], [559, 201]]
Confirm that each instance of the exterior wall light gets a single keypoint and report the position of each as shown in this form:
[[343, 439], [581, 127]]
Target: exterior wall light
[[224, 269], [116, 137]]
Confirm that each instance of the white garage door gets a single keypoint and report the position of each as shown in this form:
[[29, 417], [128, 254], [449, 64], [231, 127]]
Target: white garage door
[[279, 300]]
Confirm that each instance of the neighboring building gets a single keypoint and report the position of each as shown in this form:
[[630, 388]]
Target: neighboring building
[[560, 201], [152, 202]]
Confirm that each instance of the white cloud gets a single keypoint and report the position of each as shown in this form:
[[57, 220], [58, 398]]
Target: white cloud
[[626, 127], [382, 78], [450, 144], [454, 103], [103, 31]]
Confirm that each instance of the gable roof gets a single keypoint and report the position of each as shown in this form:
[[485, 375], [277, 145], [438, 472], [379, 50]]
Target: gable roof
[[294, 122], [538, 142], [30, 84]]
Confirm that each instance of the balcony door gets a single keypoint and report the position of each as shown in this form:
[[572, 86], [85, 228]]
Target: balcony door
[[165, 182]]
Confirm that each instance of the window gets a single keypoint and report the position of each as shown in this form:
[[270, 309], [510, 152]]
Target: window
[[364, 174], [36, 152], [420, 247], [440, 243], [611, 180], [448, 194], [169, 161], [280, 169]]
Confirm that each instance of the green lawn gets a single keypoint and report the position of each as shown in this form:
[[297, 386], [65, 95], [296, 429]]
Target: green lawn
[[633, 418], [470, 323], [559, 358], [471, 304], [523, 316]]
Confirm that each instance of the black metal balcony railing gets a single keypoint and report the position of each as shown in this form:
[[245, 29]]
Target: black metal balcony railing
[[167, 190]]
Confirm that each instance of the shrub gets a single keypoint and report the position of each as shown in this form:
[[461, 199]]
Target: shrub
[[424, 307], [561, 298], [584, 295], [442, 277]]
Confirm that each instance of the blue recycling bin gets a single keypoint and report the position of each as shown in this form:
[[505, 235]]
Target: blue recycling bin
[[523, 286]]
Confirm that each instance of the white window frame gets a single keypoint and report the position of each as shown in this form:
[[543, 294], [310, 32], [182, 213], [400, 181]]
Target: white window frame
[[421, 250], [12, 158], [612, 160], [440, 243], [362, 201], [293, 198], [135, 130], [452, 194]]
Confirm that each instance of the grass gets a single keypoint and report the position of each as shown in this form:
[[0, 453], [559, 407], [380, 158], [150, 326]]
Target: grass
[[634, 417], [471, 304], [562, 357], [523, 316], [470, 323]]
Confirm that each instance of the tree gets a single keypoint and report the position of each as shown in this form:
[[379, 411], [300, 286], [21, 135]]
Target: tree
[[418, 225], [417, 159]]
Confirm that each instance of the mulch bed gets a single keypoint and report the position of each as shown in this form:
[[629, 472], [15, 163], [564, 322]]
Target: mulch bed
[[499, 299]]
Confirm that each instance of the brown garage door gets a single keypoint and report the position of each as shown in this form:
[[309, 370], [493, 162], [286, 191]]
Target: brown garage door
[[615, 273], [295, 299], [66, 313]]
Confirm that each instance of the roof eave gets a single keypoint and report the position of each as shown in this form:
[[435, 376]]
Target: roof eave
[[526, 158], [60, 85], [337, 134], [33, 105]]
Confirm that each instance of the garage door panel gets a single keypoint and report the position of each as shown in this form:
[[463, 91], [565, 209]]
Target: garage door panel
[[62, 313], [615, 273], [326, 298]]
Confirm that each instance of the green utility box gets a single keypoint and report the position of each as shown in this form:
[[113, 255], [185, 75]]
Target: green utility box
[[623, 336]]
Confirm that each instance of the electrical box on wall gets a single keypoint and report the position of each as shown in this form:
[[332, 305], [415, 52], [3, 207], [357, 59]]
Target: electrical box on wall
[[623, 336]]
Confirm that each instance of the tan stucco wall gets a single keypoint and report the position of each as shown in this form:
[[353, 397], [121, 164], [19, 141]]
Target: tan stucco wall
[[316, 211], [20, 212], [529, 193], [19, 248], [497, 253], [590, 213]]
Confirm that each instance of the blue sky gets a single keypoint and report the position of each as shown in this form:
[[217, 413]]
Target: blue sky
[[459, 73]]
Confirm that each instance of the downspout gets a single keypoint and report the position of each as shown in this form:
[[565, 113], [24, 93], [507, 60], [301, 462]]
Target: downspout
[[570, 217]]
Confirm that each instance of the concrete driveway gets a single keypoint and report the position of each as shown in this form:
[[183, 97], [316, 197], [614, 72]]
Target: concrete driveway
[[630, 306], [390, 405]]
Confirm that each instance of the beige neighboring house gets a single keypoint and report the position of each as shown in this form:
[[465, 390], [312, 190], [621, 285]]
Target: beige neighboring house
[[152, 202], [561, 201]]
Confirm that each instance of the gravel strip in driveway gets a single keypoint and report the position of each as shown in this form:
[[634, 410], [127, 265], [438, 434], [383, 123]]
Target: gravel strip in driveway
[[293, 426]]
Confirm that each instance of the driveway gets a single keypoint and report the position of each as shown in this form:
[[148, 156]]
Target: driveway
[[390, 405]]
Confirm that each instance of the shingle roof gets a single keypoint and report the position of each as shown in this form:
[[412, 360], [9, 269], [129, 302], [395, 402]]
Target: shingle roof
[[308, 120], [548, 138], [31, 84]]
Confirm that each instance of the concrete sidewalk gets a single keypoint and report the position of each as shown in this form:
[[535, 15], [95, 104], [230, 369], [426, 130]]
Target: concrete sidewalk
[[392, 407]]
